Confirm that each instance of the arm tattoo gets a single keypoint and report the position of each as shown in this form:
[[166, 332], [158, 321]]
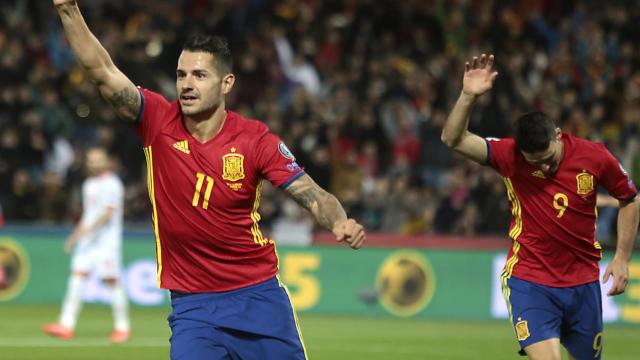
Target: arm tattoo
[[326, 209], [126, 102]]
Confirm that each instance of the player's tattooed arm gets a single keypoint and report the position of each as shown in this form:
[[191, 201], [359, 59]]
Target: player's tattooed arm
[[126, 102], [326, 209]]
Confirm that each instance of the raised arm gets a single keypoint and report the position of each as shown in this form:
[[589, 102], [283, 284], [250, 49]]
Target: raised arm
[[114, 86], [327, 211], [478, 79]]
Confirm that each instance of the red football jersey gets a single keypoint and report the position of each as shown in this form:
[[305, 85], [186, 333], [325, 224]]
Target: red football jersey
[[553, 218], [205, 198]]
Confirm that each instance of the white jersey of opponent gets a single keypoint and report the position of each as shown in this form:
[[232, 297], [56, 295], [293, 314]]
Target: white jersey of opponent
[[100, 250], [98, 194]]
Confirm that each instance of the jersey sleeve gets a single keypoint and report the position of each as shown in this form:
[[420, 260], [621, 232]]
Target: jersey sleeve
[[615, 178], [275, 162], [153, 111], [501, 155]]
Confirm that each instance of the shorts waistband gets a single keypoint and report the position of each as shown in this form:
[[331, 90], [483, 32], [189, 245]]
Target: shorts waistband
[[184, 296]]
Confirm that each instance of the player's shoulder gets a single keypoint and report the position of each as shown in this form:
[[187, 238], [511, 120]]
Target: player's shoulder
[[247, 125], [151, 98], [148, 94], [87, 182], [585, 146], [577, 141], [115, 178], [111, 179], [503, 146]]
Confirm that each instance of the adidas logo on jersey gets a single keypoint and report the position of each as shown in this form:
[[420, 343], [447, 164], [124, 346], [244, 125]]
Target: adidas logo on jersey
[[182, 146], [539, 173]]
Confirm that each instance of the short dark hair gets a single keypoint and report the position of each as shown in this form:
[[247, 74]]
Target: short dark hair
[[534, 132], [217, 46]]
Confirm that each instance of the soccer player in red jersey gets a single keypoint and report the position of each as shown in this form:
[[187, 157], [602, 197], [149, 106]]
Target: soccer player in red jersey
[[206, 167], [550, 280]]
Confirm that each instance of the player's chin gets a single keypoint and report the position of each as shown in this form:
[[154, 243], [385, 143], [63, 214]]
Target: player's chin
[[189, 110]]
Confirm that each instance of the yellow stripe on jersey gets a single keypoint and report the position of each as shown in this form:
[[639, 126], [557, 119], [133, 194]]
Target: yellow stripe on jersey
[[516, 210], [514, 233], [295, 316], [148, 154], [255, 216], [506, 274]]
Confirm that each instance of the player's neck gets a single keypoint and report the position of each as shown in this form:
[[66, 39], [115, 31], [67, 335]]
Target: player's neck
[[205, 128]]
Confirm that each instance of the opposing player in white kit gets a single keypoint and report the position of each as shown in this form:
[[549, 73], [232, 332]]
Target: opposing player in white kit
[[98, 242]]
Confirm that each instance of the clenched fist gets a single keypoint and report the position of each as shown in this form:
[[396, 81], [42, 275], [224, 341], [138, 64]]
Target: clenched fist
[[350, 232]]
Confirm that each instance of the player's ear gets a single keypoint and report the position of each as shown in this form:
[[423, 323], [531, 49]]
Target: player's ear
[[558, 134], [227, 83]]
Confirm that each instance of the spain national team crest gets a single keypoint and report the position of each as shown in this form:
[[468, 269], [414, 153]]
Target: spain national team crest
[[585, 183], [522, 329], [233, 169]]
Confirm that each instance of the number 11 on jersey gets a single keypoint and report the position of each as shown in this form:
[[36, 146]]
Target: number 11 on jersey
[[207, 192]]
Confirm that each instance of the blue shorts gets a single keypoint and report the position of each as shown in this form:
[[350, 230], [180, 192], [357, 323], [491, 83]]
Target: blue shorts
[[572, 314], [256, 322]]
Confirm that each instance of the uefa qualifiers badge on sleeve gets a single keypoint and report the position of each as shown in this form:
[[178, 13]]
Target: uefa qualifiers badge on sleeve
[[284, 150]]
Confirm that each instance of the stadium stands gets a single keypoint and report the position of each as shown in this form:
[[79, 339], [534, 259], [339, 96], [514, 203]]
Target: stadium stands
[[358, 89]]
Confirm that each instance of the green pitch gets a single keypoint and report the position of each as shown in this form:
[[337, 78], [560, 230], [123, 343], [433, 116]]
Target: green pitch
[[326, 337]]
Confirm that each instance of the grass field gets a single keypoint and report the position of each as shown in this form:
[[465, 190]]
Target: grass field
[[326, 337]]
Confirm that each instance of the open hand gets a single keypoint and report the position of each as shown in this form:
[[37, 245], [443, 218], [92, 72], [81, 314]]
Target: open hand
[[478, 75], [620, 271], [350, 232]]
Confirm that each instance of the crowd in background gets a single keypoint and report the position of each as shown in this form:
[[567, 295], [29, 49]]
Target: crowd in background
[[358, 89]]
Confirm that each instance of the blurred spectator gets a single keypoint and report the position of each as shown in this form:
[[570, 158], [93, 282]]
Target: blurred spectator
[[437, 157], [295, 68], [488, 196], [52, 200], [22, 200], [452, 206], [59, 158]]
